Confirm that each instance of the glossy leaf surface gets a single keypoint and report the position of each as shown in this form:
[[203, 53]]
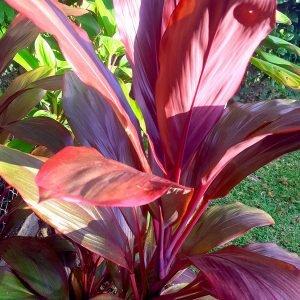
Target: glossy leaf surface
[[83, 175], [222, 224], [236, 273], [96, 229], [254, 122], [191, 91]]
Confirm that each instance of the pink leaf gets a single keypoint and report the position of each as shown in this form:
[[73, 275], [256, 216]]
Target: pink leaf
[[80, 174], [194, 84]]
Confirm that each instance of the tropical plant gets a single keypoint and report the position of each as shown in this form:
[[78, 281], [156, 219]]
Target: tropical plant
[[135, 206]]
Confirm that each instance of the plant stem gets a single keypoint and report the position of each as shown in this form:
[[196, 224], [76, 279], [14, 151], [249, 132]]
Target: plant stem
[[134, 287]]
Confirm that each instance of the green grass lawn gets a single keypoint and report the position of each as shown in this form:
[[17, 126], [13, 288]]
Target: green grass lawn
[[275, 189]]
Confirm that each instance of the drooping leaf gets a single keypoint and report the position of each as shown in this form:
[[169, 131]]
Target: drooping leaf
[[37, 265], [236, 273], [94, 122], [11, 287], [191, 91], [95, 228], [41, 131], [274, 42], [79, 52], [83, 175], [255, 121], [20, 34], [281, 18], [222, 224], [279, 73], [273, 250], [273, 59]]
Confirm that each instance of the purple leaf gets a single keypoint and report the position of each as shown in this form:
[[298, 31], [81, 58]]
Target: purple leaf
[[20, 34], [83, 175], [139, 24], [236, 273], [222, 224], [191, 91], [272, 250], [41, 131], [79, 52], [94, 122]]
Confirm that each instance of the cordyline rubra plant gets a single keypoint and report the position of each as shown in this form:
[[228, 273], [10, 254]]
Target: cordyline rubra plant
[[139, 214]]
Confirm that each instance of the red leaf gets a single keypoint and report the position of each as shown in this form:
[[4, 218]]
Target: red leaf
[[194, 84], [41, 131], [251, 123], [99, 229], [94, 122], [236, 273], [83, 175], [222, 224], [79, 52]]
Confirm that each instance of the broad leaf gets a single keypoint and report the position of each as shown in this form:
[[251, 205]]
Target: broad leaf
[[94, 122], [83, 175], [25, 59], [281, 18], [41, 131], [20, 34], [222, 224], [139, 24], [79, 52], [94, 228], [251, 160], [44, 52], [272, 250], [274, 42], [236, 273], [191, 91], [37, 265], [255, 122], [281, 74], [11, 287]]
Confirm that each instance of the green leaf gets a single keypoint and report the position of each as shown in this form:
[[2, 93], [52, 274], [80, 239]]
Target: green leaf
[[20, 145], [90, 25], [11, 287], [44, 52], [273, 59], [280, 74], [282, 18], [274, 43], [25, 59], [106, 19]]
